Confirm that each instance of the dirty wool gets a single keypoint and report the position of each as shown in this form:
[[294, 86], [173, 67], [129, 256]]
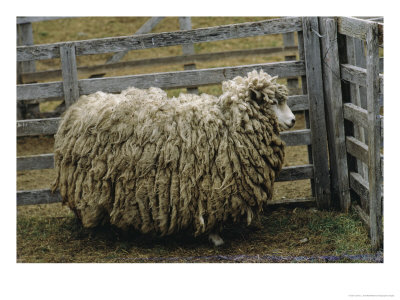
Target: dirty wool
[[140, 160]]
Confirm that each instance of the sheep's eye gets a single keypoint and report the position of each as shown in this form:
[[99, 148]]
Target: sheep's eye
[[274, 102]]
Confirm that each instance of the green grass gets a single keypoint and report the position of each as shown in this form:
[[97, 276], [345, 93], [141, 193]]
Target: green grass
[[50, 233]]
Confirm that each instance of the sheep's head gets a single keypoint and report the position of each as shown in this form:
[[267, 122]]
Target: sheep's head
[[264, 90]]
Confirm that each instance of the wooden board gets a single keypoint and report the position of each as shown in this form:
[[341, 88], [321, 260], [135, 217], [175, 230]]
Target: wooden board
[[374, 137], [35, 162], [165, 39], [69, 74], [167, 80], [46, 197], [334, 114], [317, 112], [157, 61]]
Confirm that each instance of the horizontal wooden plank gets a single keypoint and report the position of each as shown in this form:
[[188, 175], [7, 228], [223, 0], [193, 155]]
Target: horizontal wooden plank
[[40, 90], [357, 28], [35, 162], [169, 60], [37, 127], [356, 114], [46, 161], [358, 75], [167, 80], [44, 196], [189, 78], [296, 137], [306, 200], [164, 39], [357, 149], [359, 185], [23, 20], [298, 102], [363, 216], [296, 173]]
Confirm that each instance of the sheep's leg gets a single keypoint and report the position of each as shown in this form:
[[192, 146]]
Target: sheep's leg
[[216, 239]]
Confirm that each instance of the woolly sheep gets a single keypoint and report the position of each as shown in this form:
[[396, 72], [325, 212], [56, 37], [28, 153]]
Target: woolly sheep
[[160, 165]]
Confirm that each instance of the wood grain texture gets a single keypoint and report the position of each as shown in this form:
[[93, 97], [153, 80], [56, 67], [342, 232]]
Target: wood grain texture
[[167, 80], [35, 162], [44, 196], [317, 112], [191, 78], [358, 76], [357, 148], [37, 127], [334, 114], [374, 137], [165, 39], [185, 23], [361, 187], [296, 137], [145, 28], [157, 61], [355, 114], [69, 74], [358, 28]]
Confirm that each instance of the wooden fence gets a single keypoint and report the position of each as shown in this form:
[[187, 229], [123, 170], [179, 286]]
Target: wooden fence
[[353, 89], [319, 85]]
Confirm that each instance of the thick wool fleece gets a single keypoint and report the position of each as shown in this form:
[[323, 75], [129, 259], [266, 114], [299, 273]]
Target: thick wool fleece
[[139, 159]]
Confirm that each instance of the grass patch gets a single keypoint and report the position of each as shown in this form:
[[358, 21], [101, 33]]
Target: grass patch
[[300, 232]]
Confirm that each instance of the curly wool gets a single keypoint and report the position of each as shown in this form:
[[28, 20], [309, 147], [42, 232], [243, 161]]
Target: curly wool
[[140, 159]]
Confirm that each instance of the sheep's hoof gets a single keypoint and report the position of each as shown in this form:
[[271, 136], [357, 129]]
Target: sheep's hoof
[[216, 239]]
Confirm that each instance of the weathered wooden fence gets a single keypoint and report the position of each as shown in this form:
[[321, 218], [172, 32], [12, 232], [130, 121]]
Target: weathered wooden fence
[[353, 93], [319, 85]]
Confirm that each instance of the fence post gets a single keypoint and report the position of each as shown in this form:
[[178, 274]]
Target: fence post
[[374, 138], [300, 39], [334, 114], [69, 73], [317, 112], [185, 23], [292, 82], [25, 37]]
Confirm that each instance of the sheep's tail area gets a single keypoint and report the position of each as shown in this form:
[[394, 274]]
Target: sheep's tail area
[[140, 160]]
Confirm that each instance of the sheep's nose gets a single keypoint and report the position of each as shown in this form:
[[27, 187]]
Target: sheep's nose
[[293, 121]]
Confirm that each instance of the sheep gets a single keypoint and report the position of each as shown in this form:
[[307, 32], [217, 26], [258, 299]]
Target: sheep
[[140, 160]]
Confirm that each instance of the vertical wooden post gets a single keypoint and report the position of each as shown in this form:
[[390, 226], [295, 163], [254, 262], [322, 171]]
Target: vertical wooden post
[[69, 73], [292, 82], [334, 114], [300, 39], [25, 37], [374, 138], [317, 111], [185, 23]]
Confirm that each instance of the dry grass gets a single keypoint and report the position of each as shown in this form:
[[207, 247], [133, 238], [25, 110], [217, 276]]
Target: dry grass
[[50, 233]]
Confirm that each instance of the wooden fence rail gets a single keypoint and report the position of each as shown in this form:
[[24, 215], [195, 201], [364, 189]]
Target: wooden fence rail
[[181, 59], [165, 39], [167, 80]]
